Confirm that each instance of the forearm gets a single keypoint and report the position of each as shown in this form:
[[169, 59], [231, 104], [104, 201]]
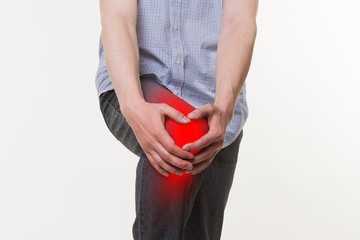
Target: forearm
[[234, 53], [122, 59]]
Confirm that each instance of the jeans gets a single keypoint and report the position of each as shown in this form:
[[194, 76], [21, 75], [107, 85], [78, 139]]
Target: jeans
[[186, 207]]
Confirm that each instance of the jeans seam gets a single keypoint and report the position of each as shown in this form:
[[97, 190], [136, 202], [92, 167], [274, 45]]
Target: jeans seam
[[140, 199]]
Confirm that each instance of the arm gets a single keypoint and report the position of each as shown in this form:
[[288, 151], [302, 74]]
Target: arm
[[234, 52], [118, 19], [235, 47]]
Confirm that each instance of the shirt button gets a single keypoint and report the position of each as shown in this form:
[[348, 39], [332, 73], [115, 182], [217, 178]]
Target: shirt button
[[178, 61], [175, 27], [175, 92]]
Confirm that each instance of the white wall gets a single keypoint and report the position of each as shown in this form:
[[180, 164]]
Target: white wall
[[64, 176]]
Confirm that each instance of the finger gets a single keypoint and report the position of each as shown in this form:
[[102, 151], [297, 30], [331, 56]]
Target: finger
[[172, 159], [201, 112], [202, 142], [169, 144], [166, 166], [205, 154], [157, 168], [200, 167], [174, 114]]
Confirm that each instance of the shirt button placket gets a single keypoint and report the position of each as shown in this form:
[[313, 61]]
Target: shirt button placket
[[176, 47]]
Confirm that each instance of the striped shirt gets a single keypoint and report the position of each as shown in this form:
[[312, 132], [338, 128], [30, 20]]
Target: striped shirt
[[177, 45]]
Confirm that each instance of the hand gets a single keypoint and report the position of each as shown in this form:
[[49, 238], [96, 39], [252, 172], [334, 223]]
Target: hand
[[213, 140], [147, 121]]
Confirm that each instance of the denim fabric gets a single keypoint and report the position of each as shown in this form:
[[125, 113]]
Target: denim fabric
[[177, 43], [195, 211], [187, 207], [116, 122]]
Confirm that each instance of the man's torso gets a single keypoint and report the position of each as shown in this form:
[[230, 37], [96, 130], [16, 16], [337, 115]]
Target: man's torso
[[177, 45]]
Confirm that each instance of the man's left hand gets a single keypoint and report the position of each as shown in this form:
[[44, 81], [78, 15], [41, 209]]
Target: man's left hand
[[212, 141]]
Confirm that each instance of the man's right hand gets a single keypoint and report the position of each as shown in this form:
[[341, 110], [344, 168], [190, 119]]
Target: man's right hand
[[148, 123]]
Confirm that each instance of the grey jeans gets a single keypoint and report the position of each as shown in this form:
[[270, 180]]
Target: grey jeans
[[187, 207]]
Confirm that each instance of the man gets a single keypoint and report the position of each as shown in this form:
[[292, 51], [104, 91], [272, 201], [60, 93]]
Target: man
[[200, 52]]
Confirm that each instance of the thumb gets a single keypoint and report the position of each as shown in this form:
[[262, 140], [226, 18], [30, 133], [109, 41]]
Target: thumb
[[174, 114], [200, 112]]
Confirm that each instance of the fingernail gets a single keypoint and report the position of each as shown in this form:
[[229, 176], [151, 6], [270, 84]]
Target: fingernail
[[179, 172], [187, 171], [191, 115], [185, 119]]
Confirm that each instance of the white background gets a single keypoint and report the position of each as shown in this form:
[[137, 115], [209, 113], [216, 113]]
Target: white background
[[64, 176]]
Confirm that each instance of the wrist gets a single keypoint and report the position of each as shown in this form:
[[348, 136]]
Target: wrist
[[225, 101], [131, 105], [227, 111]]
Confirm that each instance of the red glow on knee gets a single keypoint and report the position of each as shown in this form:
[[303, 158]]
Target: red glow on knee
[[186, 133], [175, 186], [181, 133]]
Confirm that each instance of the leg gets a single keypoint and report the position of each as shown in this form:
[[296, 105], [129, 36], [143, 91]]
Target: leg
[[206, 218], [163, 204], [187, 207]]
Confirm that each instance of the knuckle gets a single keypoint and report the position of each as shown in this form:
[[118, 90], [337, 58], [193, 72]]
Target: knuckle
[[177, 162], [156, 161], [162, 164], [147, 142], [163, 106], [179, 115], [183, 165], [171, 148], [218, 133], [166, 157], [154, 133]]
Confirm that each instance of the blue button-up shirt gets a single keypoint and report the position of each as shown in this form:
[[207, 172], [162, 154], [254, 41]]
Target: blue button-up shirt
[[177, 42]]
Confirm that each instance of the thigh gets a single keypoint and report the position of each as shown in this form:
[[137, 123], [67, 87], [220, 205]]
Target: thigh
[[206, 218], [116, 122]]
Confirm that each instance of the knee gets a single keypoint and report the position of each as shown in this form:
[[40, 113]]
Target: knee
[[187, 133], [181, 133]]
